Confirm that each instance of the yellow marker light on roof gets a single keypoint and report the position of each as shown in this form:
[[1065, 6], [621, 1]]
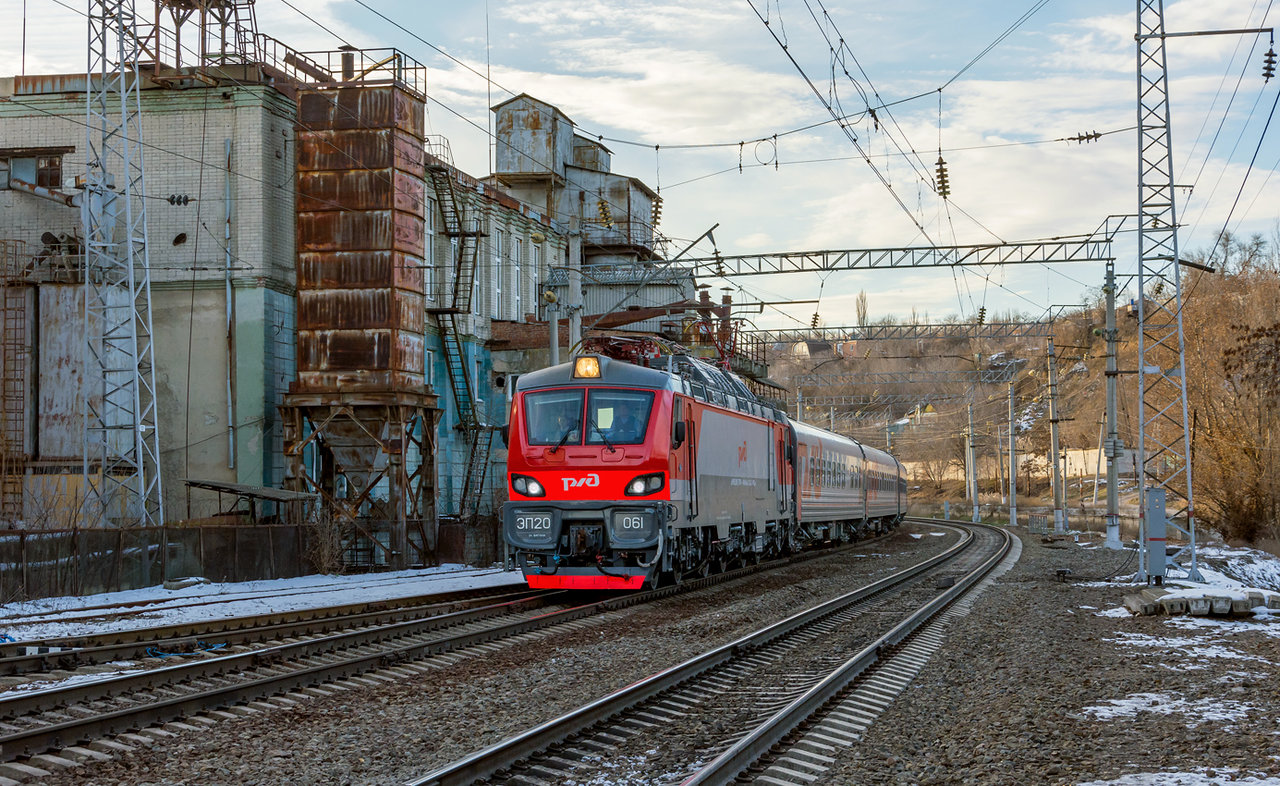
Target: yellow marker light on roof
[[586, 367]]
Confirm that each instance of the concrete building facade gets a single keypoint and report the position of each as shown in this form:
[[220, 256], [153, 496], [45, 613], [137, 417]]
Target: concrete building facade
[[221, 245]]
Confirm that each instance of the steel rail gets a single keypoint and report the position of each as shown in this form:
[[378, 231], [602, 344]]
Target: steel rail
[[50, 736], [726, 767], [497, 757]]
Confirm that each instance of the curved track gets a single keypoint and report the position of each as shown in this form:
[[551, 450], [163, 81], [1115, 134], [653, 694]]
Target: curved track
[[753, 692]]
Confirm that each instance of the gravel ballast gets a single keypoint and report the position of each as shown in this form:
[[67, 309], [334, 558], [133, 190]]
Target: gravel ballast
[[1024, 690]]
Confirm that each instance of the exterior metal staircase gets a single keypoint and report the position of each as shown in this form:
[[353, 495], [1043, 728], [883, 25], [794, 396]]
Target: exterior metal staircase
[[466, 231]]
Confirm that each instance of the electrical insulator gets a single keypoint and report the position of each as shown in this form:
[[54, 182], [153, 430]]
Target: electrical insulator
[[1269, 64], [982, 314], [944, 188], [813, 323], [605, 218], [657, 210]]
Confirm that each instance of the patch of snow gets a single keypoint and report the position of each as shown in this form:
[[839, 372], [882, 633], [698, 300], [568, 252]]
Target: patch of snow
[[1119, 611], [1197, 712], [1214, 777], [70, 616]]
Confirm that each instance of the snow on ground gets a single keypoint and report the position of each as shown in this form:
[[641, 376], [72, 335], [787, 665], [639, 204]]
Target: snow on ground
[[1217, 777], [87, 615], [1197, 712], [1248, 566]]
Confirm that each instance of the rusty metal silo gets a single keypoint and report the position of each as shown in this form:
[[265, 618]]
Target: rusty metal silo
[[359, 420]]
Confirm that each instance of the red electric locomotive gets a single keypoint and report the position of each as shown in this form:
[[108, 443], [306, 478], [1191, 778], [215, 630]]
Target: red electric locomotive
[[621, 475]]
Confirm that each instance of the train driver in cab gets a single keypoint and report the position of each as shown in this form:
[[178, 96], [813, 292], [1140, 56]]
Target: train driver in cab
[[626, 427]]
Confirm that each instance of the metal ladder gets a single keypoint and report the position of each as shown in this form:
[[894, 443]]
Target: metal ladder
[[479, 434], [13, 386]]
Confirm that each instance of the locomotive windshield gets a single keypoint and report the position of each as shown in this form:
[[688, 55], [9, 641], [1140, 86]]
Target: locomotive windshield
[[614, 417], [553, 417], [617, 417]]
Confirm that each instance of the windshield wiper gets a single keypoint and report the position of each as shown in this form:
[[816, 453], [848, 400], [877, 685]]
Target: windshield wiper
[[607, 443], [563, 439]]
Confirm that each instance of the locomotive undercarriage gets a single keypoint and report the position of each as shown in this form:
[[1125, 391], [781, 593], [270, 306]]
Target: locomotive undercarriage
[[581, 551]]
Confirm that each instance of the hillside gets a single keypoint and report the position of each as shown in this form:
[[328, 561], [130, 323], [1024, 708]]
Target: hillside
[[1232, 335]]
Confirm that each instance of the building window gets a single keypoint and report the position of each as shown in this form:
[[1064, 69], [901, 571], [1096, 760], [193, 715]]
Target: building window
[[498, 270], [428, 368], [518, 283], [540, 276], [49, 171]]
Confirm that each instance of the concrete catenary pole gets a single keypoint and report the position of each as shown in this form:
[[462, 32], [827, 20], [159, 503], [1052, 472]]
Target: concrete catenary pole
[[573, 298], [553, 317], [1059, 514], [1013, 464], [973, 468], [1114, 446]]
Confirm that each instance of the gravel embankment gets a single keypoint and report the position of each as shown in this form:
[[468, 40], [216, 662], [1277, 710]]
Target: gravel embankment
[[1021, 693], [1034, 687]]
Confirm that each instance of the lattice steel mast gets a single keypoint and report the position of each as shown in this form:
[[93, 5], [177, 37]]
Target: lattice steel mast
[[121, 450], [1161, 346]]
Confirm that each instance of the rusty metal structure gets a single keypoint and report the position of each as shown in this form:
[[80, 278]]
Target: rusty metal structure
[[359, 421], [191, 43]]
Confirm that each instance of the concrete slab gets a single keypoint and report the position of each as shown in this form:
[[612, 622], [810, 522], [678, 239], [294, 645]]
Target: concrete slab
[[21, 772], [86, 754], [1137, 604], [53, 762]]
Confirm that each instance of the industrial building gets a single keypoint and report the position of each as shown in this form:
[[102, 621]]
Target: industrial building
[[337, 311]]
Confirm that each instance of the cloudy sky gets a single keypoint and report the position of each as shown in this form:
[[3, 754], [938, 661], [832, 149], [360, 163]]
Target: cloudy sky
[[699, 100]]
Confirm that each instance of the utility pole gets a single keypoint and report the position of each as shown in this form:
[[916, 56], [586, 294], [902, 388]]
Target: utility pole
[[574, 299], [1114, 448], [1059, 515], [973, 469], [121, 450], [1013, 464], [553, 318], [1000, 465], [1162, 380]]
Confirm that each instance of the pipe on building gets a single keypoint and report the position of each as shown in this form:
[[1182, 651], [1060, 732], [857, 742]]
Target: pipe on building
[[70, 200], [231, 335]]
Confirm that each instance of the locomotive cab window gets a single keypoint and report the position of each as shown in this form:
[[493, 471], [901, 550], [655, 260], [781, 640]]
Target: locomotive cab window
[[618, 417], [553, 417]]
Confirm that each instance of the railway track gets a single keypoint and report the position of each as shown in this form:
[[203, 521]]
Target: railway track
[[64, 653], [43, 721], [772, 707]]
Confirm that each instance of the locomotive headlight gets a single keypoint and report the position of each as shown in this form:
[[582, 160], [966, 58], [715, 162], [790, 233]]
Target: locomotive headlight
[[529, 487], [644, 484]]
